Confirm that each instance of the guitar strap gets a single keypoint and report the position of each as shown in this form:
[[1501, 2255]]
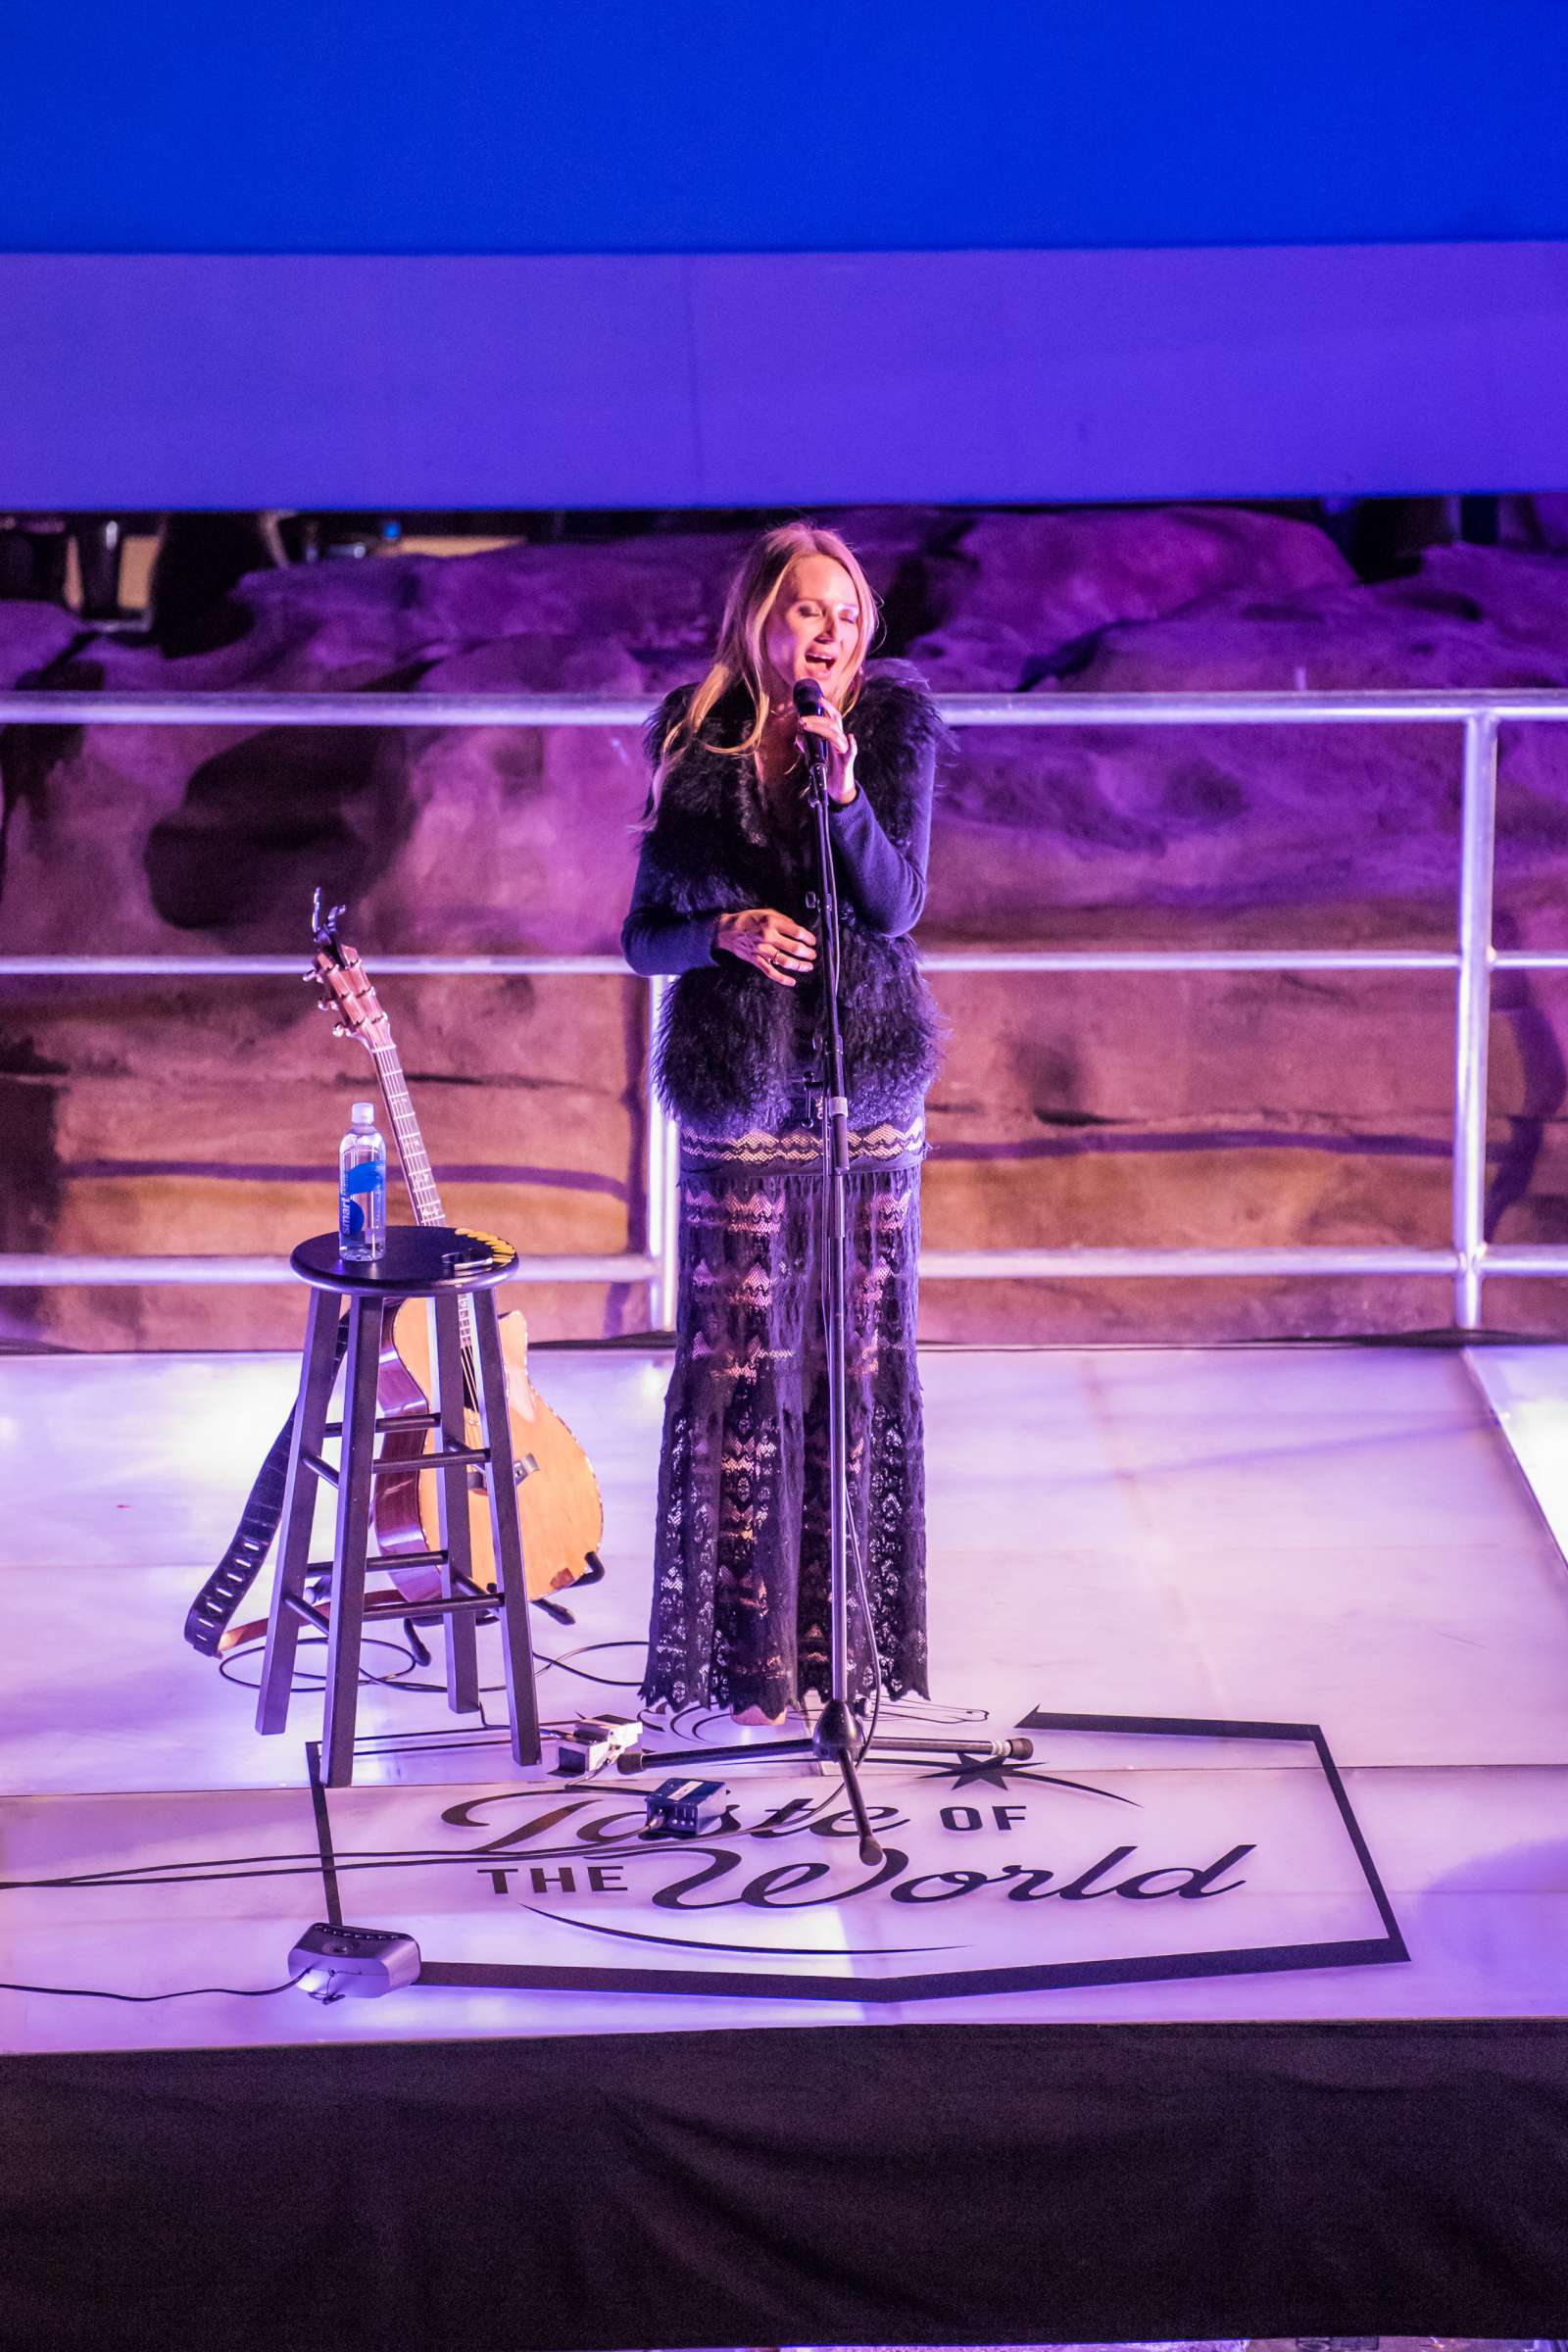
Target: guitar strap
[[214, 1607]]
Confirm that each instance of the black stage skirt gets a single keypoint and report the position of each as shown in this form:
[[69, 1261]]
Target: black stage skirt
[[740, 1610]]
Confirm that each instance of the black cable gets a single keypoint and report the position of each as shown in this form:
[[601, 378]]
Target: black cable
[[303, 1681], [867, 1625], [606, 1681], [674, 1722], [936, 1710], [185, 1992]]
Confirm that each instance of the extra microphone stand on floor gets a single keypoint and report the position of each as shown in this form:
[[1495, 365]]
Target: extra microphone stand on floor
[[836, 1738]]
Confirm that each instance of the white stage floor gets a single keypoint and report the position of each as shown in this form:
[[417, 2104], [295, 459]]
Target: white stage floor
[[1359, 1538]]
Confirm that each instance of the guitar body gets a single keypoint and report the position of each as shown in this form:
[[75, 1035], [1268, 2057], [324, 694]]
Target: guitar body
[[559, 1502]]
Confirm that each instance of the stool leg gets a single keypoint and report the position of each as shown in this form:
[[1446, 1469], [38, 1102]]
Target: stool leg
[[452, 1499], [353, 1538], [318, 1370], [507, 1533]]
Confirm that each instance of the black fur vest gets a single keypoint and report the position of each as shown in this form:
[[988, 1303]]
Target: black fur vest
[[735, 1050]]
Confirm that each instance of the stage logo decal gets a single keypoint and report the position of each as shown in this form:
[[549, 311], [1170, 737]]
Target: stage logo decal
[[1123, 1850]]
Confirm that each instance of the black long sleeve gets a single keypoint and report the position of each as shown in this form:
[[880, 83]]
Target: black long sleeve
[[885, 884], [652, 940]]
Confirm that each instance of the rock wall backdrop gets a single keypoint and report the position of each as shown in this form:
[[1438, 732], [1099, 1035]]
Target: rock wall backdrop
[[191, 1117]]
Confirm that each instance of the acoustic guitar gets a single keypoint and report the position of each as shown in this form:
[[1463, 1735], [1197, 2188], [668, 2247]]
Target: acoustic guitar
[[559, 1501]]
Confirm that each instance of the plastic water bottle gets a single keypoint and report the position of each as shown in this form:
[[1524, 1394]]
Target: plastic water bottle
[[362, 1189]]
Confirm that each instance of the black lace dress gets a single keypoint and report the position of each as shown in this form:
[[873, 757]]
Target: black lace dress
[[740, 1599]]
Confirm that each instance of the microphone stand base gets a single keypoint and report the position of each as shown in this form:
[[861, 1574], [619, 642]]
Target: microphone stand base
[[835, 1738]]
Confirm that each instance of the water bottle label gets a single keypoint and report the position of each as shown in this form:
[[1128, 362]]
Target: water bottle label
[[366, 1178]]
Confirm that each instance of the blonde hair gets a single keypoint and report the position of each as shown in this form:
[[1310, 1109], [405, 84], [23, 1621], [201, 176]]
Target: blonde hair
[[753, 593]]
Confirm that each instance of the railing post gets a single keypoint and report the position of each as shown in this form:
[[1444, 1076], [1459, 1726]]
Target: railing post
[[663, 1180], [1478, 821]]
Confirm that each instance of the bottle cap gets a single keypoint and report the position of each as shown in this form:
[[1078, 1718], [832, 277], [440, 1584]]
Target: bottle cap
[[365, 1114]]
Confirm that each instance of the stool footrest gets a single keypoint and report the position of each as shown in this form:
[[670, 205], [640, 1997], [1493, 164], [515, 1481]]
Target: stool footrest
[[418, 1609], [393, 1604], [388, 1562], [433, 1461], [386, 1424], [329, 1472]]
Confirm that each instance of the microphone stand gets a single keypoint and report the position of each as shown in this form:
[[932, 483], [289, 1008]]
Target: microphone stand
[[836, 1738]]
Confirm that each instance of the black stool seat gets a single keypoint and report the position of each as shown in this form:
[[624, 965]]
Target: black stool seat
[[417, 1259], [352, 1312]]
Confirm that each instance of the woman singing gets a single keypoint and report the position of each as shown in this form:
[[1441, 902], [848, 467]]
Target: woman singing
[[725, 898]]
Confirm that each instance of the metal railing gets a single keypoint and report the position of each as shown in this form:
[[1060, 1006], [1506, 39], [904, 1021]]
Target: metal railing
[[1469, 1260]]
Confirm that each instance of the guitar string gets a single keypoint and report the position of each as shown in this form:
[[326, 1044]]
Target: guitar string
[[421, 1184]]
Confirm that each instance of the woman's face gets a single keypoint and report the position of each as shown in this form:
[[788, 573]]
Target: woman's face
[[814, 630]]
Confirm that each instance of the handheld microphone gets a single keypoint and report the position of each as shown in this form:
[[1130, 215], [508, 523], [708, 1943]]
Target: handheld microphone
[[810, 704]]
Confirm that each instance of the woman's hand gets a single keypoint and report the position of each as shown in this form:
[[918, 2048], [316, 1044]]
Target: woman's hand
[[761, 935], [841, 785]]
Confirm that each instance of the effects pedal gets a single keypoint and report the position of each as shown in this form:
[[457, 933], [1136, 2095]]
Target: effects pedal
[[335, 1964], [595, 1741], [684, 1808]]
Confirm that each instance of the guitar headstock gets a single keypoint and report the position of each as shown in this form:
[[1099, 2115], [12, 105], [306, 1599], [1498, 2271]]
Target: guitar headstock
[[344, 985]]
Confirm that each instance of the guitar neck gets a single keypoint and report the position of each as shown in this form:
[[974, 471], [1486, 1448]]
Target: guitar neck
[[412, 1152]]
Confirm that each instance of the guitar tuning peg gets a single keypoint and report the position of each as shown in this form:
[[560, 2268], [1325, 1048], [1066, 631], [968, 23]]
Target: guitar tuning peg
[[338, 1029]]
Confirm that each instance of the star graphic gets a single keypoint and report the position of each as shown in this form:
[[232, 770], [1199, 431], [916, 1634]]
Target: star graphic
[[966, 1774], [996, 1772]]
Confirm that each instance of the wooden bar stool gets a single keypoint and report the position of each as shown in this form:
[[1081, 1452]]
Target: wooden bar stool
[[457, 1273]]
